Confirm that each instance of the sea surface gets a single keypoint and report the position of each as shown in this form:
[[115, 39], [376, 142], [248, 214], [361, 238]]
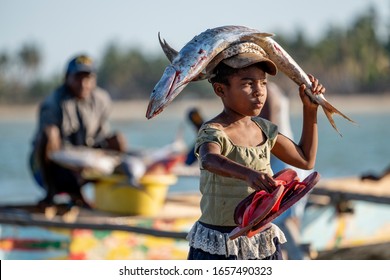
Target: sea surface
[[361, 149]]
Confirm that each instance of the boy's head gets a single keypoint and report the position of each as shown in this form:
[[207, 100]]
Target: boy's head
[[236, 57]]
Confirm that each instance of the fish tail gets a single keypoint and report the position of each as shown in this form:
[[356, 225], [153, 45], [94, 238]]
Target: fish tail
[[329, 110]]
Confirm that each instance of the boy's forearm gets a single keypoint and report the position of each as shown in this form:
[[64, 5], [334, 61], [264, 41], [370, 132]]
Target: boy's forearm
[[222, 166], [309, 137]]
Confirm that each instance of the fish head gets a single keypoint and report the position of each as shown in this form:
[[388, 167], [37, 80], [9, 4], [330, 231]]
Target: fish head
[[172, 82]]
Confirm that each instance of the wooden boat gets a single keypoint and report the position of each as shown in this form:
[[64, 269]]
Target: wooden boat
[[349, 218], [127, 222], [27, 232], [345, 218]]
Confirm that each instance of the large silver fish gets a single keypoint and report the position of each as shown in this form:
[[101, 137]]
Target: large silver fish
[[188, 64], [134, 164], [80, 158], [291, 69], [211, 42]]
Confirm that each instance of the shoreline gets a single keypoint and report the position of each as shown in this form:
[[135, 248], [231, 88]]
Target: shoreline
[[136, 109]]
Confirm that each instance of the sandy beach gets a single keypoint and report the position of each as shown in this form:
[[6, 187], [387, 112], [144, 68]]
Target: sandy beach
[[135, 110]]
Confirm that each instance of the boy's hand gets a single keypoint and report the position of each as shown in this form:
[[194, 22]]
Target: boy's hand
[[261, 181], [316, 88]]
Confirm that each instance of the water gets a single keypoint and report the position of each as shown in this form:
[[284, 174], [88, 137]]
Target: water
[[363, 148]]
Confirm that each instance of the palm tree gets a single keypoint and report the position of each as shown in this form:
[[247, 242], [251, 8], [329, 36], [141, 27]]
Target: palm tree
[[30, 58]]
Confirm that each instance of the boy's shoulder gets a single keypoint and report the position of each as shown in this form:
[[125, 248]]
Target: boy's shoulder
[[269, 128], [212, 124], [260, 120]]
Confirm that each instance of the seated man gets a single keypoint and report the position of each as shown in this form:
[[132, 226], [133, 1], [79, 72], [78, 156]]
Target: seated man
[[76, 113]]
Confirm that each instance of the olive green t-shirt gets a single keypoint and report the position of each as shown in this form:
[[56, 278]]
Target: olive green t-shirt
[[220, 195]]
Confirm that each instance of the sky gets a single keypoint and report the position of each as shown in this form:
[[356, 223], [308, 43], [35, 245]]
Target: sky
[[62, 29]]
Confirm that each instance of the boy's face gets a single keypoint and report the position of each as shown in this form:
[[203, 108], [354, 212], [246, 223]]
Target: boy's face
[[246, 92]]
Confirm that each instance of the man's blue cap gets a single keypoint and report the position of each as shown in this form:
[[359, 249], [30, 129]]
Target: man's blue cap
[[81, 63]]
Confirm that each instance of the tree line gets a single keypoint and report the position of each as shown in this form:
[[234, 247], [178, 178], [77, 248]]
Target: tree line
[[351, 60]]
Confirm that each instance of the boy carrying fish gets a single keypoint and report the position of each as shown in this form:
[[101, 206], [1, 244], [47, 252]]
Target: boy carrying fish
[[234, 150]]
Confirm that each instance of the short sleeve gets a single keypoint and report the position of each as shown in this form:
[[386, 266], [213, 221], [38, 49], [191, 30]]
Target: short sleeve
[[208, 134], [270, 130]]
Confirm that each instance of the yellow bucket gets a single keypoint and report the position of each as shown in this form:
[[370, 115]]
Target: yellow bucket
[[112, 195]]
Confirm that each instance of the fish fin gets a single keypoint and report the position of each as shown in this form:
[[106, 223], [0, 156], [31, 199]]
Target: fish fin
[[266, 34], [329, 110], [170, 52], [258, 36]]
